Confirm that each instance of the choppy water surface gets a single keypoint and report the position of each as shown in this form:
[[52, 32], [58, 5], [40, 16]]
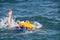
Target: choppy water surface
[[46, 12]]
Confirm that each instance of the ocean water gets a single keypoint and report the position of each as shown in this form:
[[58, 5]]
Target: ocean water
[[46, 12]]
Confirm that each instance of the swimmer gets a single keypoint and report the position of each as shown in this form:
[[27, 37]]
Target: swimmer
[[26, 24]]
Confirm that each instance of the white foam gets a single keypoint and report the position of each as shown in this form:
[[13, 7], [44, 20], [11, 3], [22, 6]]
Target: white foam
[[22, 21], [37, 24], [4, 24]]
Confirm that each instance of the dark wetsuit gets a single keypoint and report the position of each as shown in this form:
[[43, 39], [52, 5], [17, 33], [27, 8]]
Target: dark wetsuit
[[19, 30]]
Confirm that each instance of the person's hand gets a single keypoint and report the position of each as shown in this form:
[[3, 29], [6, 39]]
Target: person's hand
[[10, 12]]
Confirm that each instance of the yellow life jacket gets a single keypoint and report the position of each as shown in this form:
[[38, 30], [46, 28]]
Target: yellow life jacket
[[27, 25], [21, 24]]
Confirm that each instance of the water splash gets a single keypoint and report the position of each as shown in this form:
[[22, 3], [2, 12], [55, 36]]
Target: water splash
[[37, 24], [4, 24]]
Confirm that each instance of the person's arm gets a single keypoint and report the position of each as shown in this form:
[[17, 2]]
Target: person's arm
[[9, 17]]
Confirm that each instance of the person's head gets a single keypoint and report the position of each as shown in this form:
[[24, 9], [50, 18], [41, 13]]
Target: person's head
[[17, 22]]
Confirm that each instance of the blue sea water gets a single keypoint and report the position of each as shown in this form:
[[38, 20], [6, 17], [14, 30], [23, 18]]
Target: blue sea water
[[46, 12]]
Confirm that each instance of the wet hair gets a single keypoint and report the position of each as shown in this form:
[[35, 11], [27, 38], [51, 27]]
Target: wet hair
[[17, 22]]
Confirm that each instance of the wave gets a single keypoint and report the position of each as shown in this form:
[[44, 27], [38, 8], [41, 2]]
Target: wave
[[10, 1]]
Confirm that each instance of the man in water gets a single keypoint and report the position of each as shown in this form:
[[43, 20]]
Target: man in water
[[21, 25]]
